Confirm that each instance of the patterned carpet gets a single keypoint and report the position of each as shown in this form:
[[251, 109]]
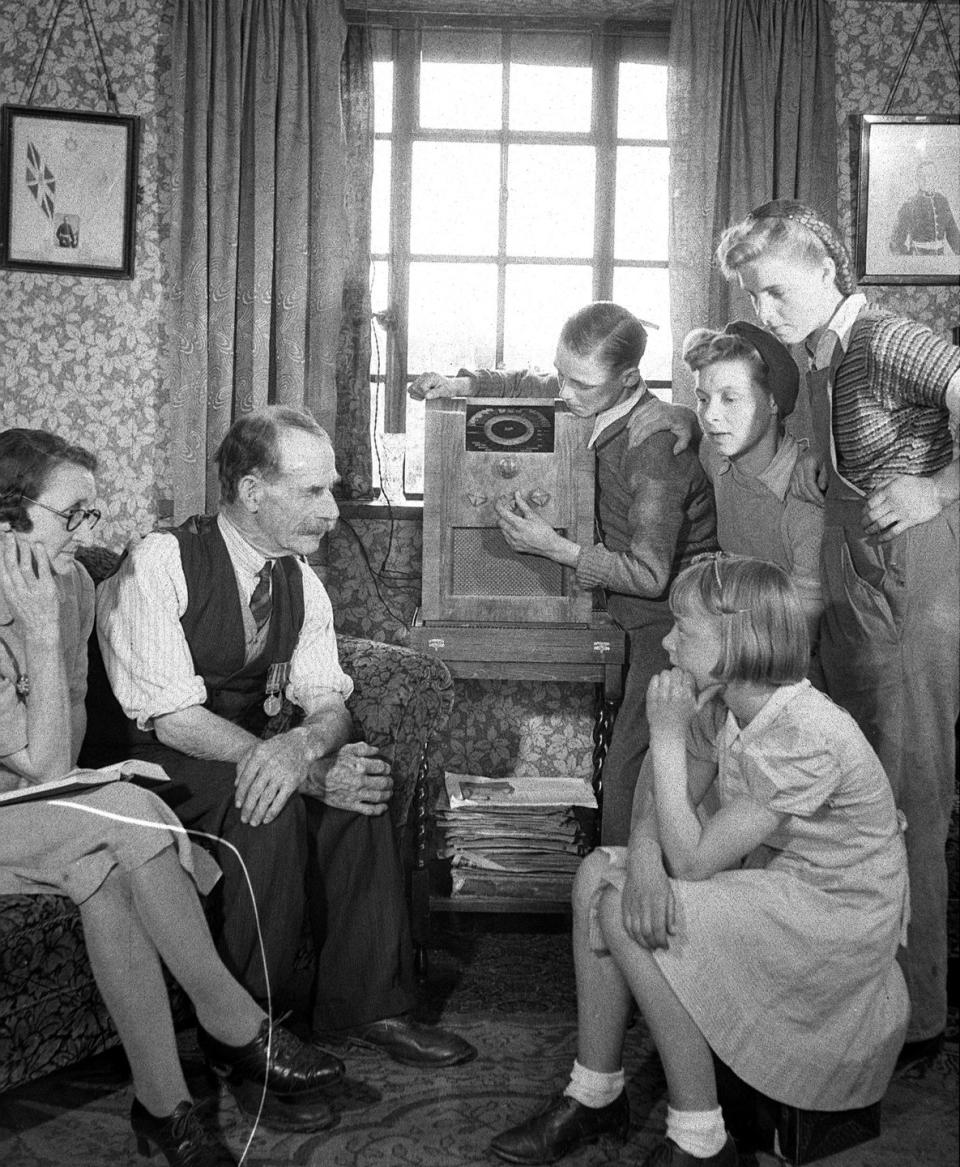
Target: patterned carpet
[[509, 991]]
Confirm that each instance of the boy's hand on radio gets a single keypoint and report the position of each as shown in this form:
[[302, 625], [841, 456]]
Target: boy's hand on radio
[[432, 385], [356, 778], [524, 530]]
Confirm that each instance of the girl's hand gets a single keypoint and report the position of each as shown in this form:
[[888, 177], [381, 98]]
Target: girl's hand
[[809, 478], [672, 703], [900, 504], [28, 587]]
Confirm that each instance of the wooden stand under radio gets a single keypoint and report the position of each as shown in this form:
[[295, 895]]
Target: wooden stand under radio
[[479, 450]]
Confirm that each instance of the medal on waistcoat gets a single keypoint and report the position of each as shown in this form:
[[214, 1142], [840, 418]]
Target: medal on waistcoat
[[277, 677]]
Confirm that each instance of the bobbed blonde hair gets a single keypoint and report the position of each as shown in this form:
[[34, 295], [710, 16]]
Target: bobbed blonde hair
[[763, 627]]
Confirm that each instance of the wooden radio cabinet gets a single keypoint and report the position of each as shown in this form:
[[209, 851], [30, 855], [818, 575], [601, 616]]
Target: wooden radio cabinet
[[481, 450]]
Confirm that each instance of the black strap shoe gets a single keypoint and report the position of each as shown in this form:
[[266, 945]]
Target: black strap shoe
[[181, 1136], [668, 1154], [412, 1043], [562, 1126], [294, 1068]]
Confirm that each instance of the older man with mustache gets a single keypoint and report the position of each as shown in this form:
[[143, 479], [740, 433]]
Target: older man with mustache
[[219, 644]]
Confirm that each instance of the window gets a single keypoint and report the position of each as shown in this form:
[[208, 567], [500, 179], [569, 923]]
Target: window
[[517, 175]]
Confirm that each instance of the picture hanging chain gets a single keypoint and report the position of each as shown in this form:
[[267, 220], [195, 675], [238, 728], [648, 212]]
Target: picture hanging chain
[[90, 25], [935, 5]]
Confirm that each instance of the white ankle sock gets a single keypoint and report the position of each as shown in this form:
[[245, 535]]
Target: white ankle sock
[[698, 1132], [594, 1088]]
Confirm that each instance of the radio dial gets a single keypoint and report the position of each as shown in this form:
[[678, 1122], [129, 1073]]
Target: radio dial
[[508, 467]]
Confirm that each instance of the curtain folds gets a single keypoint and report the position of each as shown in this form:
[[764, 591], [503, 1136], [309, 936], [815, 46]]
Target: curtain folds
[[751, 116], [257, 242], [353, 358]]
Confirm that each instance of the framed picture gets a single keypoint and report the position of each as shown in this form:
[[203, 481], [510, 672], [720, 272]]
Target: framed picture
[[908, 200], [68, 191]]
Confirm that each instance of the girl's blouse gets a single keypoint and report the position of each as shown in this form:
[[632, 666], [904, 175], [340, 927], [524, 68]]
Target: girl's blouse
[[76, 593], [805, 758]]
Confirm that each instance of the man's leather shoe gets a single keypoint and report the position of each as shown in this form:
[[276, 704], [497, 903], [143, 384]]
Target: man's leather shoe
[[294, 1068], [412, 1043], [562, 1126], [181, 1136], [668, 1154], [298, 1114]]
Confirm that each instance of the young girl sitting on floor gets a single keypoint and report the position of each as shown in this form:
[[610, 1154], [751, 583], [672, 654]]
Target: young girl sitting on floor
[[784, 967], [747, 385]]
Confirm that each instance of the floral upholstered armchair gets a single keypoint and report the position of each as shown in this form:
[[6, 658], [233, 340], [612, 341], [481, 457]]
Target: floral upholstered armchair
[[51, 1014]]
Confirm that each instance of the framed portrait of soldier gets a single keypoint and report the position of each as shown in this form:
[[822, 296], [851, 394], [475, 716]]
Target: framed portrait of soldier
[[908, 200]]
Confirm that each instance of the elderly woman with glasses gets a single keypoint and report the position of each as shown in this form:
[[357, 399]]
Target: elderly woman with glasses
[[134, 882]]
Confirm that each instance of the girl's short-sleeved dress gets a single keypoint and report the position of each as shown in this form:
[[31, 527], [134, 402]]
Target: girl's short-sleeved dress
[[789, 969], [46, 847]]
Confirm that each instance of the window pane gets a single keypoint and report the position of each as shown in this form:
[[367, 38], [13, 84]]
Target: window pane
[[550, 97], [380, 197], [382, 96], [378, 303], [455, 198], [642, 218], [645, 291], [539, 298], [550, 208], [453, 316], [464, 94], [642, 101]]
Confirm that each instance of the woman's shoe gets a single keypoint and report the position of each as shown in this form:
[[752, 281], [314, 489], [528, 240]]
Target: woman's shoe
[[293, 1068], [562, 1126], [181, 1136]]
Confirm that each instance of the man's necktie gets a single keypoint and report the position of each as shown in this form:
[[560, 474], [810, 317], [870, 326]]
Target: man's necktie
[[260, 602]]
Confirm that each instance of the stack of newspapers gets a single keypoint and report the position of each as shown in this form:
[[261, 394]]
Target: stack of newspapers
[[515, 837]]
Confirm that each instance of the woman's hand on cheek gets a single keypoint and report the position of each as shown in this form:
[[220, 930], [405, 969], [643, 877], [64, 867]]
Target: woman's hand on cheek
[[671, 704], [27, 583]]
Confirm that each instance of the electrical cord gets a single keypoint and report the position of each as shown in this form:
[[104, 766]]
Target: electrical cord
[[180, 829]]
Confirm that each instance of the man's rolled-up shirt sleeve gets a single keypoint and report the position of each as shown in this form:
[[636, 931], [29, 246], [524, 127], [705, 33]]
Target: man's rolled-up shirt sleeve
[[144, 649], [315, 671]]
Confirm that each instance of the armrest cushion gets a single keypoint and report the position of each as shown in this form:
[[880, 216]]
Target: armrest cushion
[[401, 698]]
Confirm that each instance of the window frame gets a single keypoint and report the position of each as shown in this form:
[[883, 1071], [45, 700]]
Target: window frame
[[406, 31]]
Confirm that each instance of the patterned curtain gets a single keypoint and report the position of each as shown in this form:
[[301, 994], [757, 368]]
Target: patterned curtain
[[257, 234], [751, 115], [353, 358]]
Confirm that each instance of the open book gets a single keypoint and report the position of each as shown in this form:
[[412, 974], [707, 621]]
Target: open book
[[142, 773]]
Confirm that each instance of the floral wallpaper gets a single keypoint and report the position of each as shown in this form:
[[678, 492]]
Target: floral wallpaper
[[872, 37], [81, 355]]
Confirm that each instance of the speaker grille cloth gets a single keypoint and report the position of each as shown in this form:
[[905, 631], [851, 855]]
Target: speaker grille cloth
[[483, 565]]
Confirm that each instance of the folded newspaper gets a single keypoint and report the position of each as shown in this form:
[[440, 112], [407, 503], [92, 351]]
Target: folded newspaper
[[468, 790]]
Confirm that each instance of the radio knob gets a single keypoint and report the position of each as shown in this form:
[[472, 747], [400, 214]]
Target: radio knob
[[508, 467], [538, 497], [475, 499]]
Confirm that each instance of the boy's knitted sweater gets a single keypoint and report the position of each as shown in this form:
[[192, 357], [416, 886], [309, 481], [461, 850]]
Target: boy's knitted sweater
[[654, 508]]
